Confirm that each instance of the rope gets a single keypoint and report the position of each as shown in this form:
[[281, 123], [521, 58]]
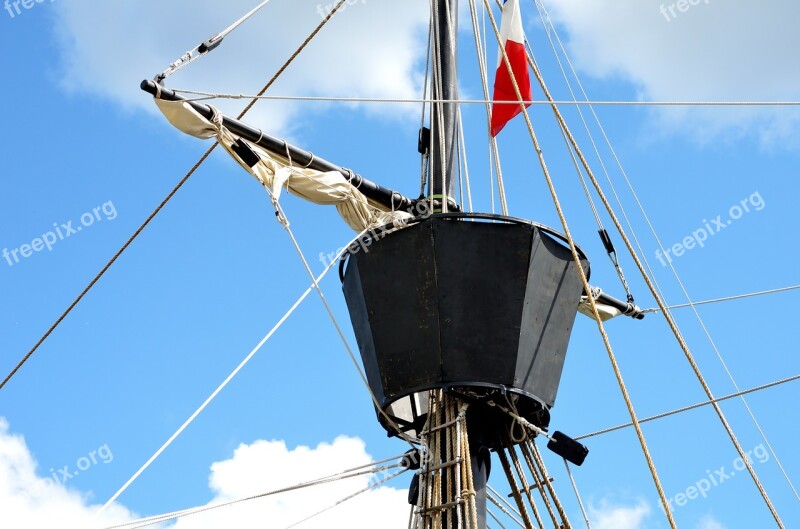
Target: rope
[[350, 497], [224, 383], [204, 48], [495, 518], [671, 322], [526, 488], [495, 153], [184, 513], [729, 298], [282, 218], [105, 268], [538, 469], [694, 406], [515, 492], [168, 197], [624, 174], [580, 270], [486, 101], [463, 147], [604, 236], [491, 493], [577, 495], [425, 157]]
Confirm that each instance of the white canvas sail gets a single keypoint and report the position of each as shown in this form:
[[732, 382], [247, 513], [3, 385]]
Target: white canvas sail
[[277, 173]]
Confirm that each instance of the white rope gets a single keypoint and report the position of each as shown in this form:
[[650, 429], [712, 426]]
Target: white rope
[[225, 382], [577, 495], [673, 325], [192, 55], [425, 157], [350, 497], [493, 149], [152, 520], [214, 95], [694, 406], [729, 298], [495, 518], [283, 220], [184, 513], [509, 510], [463, 148]]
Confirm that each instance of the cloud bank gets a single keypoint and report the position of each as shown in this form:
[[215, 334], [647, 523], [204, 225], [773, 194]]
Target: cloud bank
[[712, 50], [369, 49], [31, 499]]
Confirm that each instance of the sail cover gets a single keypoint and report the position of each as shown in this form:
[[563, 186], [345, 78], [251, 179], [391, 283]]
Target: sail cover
[[276, 172]]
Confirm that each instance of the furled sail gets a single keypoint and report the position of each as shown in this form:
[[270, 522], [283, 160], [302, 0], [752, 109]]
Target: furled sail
[[277, 172]]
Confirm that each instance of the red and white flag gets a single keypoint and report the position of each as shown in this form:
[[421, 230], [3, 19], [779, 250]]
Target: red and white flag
[[513, 40]]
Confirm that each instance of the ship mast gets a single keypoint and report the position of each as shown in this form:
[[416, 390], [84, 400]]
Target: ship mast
[[444, 147], [444, 117]]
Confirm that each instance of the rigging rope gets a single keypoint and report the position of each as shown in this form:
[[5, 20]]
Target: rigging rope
[[204, 96], [437, 125], [425, 146], [494, 152], [284, 221], [670, 321], [729, 298], [495, 497], [350, 497], [693, 406], [604, 236], [655, 289], [579, 267], [184, 513], [225, 382], [207, 46], [577, 495], [171, 194]]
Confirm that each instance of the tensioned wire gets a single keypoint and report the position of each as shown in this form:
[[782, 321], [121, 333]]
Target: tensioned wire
[[725, 299], [550, 26], [578, 265], [493, 148], [345, 474], [171, 194], [693, 406], [204, 96], [348, 498], [225, 382], [659, 299], [180, 184]]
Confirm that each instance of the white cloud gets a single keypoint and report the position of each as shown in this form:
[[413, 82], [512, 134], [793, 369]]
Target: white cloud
[[607, 515], [369, 49], [30, 500], [714, 50], [270, 465]]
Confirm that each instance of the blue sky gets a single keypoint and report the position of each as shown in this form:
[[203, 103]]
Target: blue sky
[[214, 271]]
